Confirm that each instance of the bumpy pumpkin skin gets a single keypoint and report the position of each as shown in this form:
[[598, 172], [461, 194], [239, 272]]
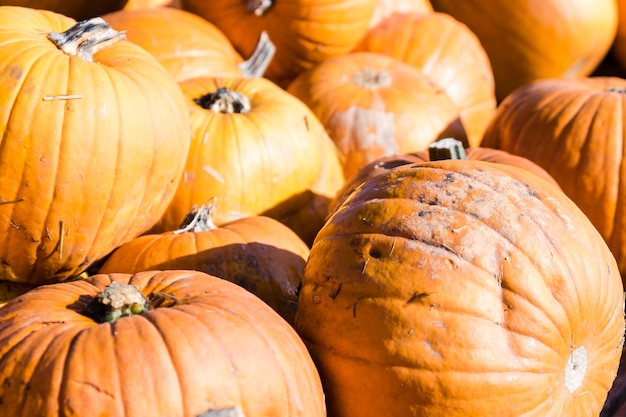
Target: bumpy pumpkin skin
[[257, 253], [382, 165], [461, 288], [527, 41], [210, 346], [76, 9], [305, 32], [274, 159], [184, 43], [574, 130], [84, 174], [374, 105], [448, 53]]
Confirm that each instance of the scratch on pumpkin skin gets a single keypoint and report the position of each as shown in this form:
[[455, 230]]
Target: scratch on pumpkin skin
[[335, 293], [59, 247], [17, 200], [62, 97], [416, 297], [353, 306]]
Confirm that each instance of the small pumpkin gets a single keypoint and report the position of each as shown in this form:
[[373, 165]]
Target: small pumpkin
[[448, 53], [184, 43], [257, 253], [573, 129], [544, 39], [461, 288], [94, 134], [373, 105], [305, 32], [170, 343], [257, 150]]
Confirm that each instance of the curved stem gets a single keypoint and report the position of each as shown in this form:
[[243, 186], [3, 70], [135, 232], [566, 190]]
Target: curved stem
[[86, 38], [199, 219], [447, 148]]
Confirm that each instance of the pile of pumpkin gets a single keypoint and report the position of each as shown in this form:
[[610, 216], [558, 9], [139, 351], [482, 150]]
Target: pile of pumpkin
[[349, 208]]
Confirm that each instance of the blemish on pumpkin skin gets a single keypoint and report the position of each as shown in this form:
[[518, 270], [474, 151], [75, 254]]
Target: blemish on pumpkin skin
[[416, 297]]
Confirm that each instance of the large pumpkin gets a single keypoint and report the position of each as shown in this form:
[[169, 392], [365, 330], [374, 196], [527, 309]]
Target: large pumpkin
[[184, 43], [76, 9], [91, 148], [573, 128], [374, 105], [462, 289], [305, 31], [526, 41], [172, 343], [257, 253], [258, 151], [448, 53]]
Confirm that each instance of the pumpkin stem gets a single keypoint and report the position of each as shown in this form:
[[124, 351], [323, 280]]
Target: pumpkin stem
[[260, 59], [86, 38], [371, 78], [447, 148], [224, 101], [222, 412], [198, 219], [259, 7], [115, 301]]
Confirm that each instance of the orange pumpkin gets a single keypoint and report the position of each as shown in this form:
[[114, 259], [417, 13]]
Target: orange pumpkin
[[382, 165], [305, 32], [385, 8], [257, 253], [573, 129], [526, 41], [92, 148], [258, 151], [172, 343], [76, 9], [448, 53], [373, 105], [461, 288], [184, 43]]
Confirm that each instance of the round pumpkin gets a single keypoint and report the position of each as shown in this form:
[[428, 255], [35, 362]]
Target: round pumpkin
[[385, 8], [76, 9], [184, 43], [94, 137], [305, 32], [573, 129], [382, 165], [373, 105], [526, 41], [257, 150], [257, 253], [448, 53], [171, 343], [461, 288]]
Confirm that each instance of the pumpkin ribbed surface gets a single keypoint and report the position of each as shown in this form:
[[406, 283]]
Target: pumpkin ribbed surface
[[461, 288], [204, 345]]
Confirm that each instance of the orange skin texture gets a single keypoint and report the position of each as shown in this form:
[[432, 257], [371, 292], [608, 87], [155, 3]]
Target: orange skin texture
[[76, 9], [401, 111], [448, 53], [275, 160], [530, 40], [385, 8], [382, 165], [192, 46], [215, 346], [93, 172], [574, 130], [305, 32], [461, 288], [257, 253]]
